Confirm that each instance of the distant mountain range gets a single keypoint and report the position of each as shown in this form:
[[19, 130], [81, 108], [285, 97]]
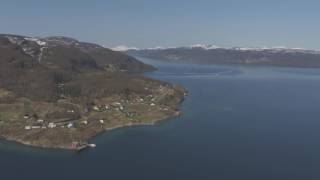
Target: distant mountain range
[[211, 54]]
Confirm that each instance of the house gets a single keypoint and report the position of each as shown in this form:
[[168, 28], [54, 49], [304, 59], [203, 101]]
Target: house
[[52, 125], [70, 125], [96, 108], [35, 127]]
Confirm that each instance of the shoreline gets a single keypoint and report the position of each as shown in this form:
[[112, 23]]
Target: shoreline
[[106, 130]]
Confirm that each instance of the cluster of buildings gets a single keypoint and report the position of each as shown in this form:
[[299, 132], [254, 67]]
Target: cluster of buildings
[[41, 124], [112, 106]]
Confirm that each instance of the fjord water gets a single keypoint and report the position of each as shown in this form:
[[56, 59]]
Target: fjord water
[[247, 123]]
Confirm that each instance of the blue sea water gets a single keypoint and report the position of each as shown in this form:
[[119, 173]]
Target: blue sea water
[[239, 123]]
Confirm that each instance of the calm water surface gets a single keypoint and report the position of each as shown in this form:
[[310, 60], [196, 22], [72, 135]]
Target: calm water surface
[[238, 124]]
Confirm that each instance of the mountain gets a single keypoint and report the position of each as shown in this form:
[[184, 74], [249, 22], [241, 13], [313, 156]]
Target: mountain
[[26, 63], [63, 52], [57, 92], [210, 54]]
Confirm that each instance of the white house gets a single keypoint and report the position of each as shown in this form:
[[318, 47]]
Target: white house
[[70, 125], [52, 125], [96, 108]]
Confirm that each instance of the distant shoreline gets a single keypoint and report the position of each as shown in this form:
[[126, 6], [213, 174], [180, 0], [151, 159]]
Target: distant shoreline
[[281, 57]]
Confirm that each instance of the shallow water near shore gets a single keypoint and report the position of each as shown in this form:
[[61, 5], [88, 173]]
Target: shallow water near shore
[[252, 123]]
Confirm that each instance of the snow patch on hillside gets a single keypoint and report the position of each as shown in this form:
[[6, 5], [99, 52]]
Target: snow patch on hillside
[[41, 54], [38, 41]]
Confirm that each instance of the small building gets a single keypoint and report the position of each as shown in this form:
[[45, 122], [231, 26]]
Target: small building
[[26, 116], [84, 122], [70, 125], [27, 127], [101, 121], [40, 120], [35, 127], [96, 108], [78, 146], [152, 104], [52, 125]]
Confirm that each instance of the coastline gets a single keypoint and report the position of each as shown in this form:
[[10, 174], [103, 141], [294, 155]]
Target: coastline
[[106, 130], [146, 112]]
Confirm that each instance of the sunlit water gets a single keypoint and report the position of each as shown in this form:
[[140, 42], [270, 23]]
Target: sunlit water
[[239, 123]]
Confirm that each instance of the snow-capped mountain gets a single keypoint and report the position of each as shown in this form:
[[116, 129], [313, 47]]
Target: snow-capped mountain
[[211, 54], [124, 48], [204, 46]]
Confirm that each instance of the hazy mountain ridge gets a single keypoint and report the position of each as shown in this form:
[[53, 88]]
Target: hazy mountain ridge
[[210, 54]]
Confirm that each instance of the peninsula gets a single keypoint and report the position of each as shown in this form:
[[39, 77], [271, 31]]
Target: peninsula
[[57, 92]]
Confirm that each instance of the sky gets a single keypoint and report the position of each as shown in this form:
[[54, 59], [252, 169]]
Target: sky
[[151, 23]]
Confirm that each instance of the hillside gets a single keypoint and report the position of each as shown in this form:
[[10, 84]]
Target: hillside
[[56, 92]]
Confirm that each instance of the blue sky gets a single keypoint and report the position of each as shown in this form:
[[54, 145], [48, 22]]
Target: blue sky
[[149, 23]]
